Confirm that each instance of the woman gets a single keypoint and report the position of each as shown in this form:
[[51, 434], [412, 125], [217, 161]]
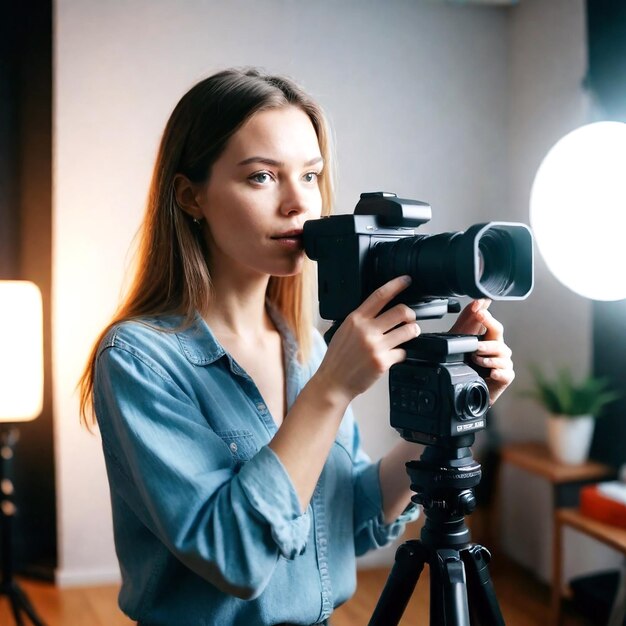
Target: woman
[[239, 489]]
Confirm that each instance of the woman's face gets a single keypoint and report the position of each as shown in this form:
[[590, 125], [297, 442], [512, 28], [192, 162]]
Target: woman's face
[[260, 192]]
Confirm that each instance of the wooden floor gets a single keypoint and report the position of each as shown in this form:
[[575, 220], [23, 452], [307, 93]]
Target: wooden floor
[[523, 600]]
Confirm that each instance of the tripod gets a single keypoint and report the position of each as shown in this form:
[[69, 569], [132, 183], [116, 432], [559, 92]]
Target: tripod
[[459, 576], [437, 399]]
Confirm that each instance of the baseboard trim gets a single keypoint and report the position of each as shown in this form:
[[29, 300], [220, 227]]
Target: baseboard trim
[[383, 557], [87, 577]]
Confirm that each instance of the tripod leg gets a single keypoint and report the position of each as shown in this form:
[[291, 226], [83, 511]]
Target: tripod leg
[[448, 597], [16, 610], [27, 607], [482, 594], [410, 559]]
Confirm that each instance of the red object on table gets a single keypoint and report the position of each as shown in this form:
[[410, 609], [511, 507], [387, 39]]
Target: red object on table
[[601, 507]]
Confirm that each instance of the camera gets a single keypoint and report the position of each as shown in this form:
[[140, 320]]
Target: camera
[[437, 395], [358, 253]]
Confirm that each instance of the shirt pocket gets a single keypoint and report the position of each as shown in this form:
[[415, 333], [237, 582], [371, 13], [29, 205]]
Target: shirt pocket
[[241, 443]]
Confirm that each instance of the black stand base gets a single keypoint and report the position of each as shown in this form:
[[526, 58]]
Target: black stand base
[[449, 587], [20, 603]]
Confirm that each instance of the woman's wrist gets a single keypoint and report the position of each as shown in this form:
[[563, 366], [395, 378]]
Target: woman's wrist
[[327, 393]]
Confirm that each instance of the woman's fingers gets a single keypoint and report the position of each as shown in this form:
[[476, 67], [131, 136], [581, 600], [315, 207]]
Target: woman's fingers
[[493, 348], [399, 314], [400, 335], [494, 329], [491, 353], [504, 377], [493, 362], [469, 321], [382, 296]]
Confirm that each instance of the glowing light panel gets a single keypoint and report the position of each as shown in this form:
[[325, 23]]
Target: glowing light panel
[[578, 210], [21, 351]]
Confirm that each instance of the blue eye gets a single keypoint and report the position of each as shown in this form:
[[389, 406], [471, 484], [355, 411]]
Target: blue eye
[[311, 177], [261, 177]]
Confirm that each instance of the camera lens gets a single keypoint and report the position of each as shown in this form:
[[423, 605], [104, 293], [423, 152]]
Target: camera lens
[[496, 261], [474, 400], [491, 260]]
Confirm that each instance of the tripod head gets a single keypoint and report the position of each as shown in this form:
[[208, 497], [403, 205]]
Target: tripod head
[[443, 481]]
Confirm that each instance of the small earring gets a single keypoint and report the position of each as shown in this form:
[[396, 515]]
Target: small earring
[[197, 221]]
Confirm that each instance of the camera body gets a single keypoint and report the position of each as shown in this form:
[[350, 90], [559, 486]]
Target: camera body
[[358, 253], [435, 395]]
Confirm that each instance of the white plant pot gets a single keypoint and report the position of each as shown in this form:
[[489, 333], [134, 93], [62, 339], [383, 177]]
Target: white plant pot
[[569, 438]]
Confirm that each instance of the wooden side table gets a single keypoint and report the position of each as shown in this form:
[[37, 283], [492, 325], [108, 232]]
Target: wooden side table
[[610, 535], [566, 480]]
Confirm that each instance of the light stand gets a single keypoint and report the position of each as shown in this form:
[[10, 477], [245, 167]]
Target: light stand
[[21, 399], [8, 585]]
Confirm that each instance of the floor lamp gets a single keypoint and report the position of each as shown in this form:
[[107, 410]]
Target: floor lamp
[[21, 399]]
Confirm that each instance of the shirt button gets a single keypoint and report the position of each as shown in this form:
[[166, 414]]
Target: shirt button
[[261, 407], [233, 446]]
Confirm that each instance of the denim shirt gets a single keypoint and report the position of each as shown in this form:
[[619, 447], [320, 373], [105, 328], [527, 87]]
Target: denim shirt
[[207, 523]]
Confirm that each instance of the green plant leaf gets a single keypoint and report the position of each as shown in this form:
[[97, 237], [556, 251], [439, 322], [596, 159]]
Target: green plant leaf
[[562, 395]]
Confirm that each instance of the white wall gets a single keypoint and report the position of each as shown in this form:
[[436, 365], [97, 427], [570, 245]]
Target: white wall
[[419, 96]]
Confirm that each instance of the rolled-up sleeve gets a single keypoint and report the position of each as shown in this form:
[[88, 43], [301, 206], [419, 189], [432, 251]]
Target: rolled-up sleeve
[[228, 524], [289, 528], [370, 529]]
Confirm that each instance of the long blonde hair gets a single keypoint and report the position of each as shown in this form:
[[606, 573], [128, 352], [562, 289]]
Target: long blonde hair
[[172, 275]]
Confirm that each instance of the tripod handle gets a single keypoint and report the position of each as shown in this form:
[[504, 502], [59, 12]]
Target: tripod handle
[[454, 589], [480, 585]]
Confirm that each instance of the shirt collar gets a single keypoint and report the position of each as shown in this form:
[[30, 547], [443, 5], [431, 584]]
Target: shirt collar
[[201, 347]]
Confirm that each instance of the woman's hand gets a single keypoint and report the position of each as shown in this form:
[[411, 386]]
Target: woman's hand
[[366, 344], [492, 352]]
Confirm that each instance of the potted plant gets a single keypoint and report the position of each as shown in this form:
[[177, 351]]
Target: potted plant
[[573, 407]]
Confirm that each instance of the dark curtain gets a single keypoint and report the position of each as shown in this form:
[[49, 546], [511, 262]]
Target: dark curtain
[[25, 251], [606, 77], [9, 170], [606, 25]]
